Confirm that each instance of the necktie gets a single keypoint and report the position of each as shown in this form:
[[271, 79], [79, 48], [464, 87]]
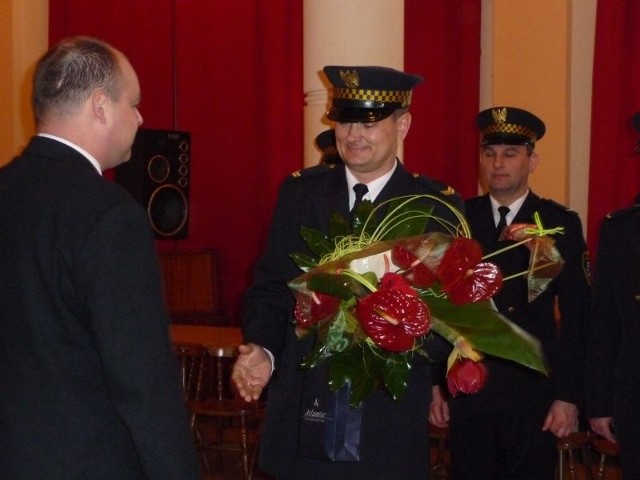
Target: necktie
[[503, 211], [361, 190]]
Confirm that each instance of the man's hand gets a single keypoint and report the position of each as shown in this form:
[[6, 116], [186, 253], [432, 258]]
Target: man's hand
[[439, 408], [603, 426], [562, 419], [252, 371]]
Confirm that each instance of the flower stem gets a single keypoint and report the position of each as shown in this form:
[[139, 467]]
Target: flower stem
[[522, 274], [359, 278], [507, 248]]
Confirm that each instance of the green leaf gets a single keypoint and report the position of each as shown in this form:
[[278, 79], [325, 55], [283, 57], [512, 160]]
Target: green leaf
[[317, 241], [358, 366], [318, 355], [338, 338], [338, 226], [303, 261], [486, 330], [396, 374], [407, 219], [363, 212], [337, 285]]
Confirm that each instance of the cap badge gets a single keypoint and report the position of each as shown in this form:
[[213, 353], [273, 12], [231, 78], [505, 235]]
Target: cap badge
[[350, 78], [499, 115]]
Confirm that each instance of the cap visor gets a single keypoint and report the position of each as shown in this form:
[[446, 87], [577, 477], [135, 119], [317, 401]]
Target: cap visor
[[358, 115], [506, 140]]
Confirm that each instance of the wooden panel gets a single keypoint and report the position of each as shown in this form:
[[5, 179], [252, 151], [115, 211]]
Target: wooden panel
[[190, 284]]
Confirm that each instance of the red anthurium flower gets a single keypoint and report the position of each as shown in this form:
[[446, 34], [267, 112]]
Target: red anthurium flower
[[311, 309], [481, 283], [415, 271], [462, 255], [462, 276], [393, 319], [394, 281], [466, 376]]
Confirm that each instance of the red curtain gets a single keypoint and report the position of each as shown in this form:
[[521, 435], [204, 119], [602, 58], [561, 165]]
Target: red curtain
[[442, 43], [231, 74], [614, 169]]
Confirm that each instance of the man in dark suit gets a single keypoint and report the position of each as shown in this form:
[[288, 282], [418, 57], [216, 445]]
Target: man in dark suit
[[613, 380], [508, 430], [370, 108], [89, 385]]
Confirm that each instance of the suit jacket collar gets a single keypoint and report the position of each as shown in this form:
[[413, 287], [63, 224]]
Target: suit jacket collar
[[47, 147], [530, 205]]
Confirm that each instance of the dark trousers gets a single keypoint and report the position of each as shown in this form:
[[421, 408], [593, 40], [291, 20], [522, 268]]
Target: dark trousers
[[500, 442]]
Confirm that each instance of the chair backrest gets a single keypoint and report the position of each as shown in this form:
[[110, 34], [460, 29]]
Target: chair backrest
[[224, 358], [191, 357], [191, 287]]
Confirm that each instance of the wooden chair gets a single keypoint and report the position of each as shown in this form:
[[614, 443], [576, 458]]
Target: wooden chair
[[440, 467], [607, 450], [233, 422], [567, 446], [191, 358]]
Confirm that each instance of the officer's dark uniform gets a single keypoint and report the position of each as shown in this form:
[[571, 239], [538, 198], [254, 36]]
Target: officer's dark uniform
[[394, 440], [497, 433], [613, 376]]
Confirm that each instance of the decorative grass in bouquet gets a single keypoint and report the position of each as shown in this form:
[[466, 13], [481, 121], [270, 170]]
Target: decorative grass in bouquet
[[376, 290]]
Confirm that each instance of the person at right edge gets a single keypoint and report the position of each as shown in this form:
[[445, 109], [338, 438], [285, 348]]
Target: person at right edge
[[613, 377], [508, 429]]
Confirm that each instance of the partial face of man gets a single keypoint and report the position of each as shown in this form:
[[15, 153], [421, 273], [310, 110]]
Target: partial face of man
[[125, 116], [506, 169], [369, 149]]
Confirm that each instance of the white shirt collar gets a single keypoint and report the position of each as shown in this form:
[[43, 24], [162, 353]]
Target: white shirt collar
[[81, 150], [375, 187], [514, 207]]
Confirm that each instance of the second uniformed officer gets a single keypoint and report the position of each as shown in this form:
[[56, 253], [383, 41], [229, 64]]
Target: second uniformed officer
[[508, 430]]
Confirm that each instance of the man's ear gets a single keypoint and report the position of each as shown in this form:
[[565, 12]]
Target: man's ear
[[404, 122], [98, 104], [534, 159]]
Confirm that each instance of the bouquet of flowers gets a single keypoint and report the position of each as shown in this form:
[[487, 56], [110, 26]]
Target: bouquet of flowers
[[379, 287]]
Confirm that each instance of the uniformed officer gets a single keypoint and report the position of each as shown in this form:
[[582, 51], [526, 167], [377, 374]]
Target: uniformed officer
[[326, 142], [370, 107], [613, 378], [508, 430]]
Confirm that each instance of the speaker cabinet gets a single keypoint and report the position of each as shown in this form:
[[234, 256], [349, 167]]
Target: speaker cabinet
[[157, 175]]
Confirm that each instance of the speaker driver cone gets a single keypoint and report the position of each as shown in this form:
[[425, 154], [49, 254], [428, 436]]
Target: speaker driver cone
[[167, 210]]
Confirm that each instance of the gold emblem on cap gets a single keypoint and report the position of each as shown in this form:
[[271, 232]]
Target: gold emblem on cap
[[350, 78], [499, 115]]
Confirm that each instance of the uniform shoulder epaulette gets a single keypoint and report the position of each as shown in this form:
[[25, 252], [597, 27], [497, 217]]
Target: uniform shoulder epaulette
[[559, 206], [623, 212], [313, 171], [441, 187]]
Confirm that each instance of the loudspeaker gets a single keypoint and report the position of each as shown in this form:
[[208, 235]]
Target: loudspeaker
[[157, 175]]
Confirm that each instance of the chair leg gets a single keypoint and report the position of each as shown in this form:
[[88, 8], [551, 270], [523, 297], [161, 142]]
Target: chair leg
[[602, 467], [245, 453], [586, 461], [560, 465], [200, 444]]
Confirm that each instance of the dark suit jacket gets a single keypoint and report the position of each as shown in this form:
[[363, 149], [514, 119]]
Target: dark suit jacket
[[565, 351], [394, 434], [89, 387], [613, 376]]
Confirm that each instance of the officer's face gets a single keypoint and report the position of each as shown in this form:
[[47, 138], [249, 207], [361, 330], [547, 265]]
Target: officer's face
[[506, 169], [369, 149]]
